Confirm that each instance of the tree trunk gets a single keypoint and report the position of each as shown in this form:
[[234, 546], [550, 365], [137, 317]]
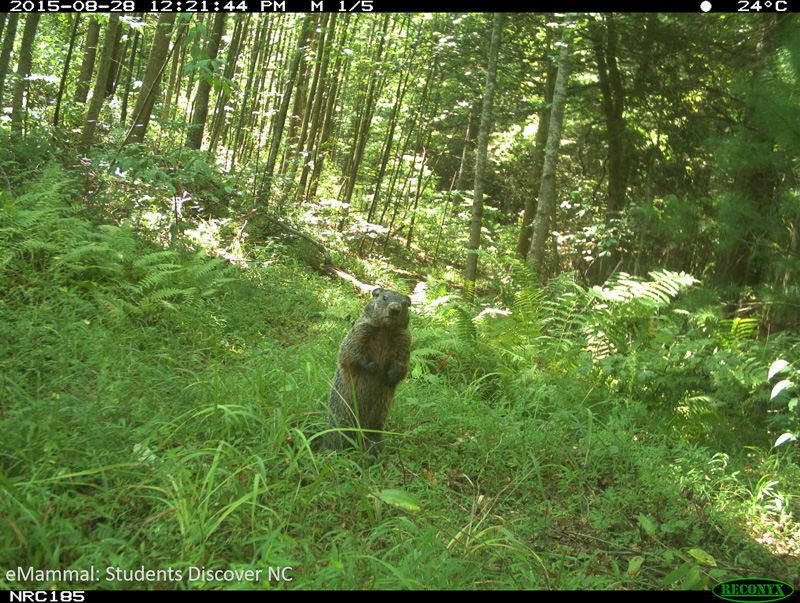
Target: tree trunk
[[280, 118], [605, 49], [156, 62], [326, 127], [467, 152], [23, 67], [604, 40], [526, 229], [547, 190], [173, 92], [362, 131], [245, 118], [100, 83], [471, 272], [63, 83], [129, 78], [290, 145], [194, 137], [5, 54], [315, 116], [387, 145], [113, 72], [87, 64], [220, 127]]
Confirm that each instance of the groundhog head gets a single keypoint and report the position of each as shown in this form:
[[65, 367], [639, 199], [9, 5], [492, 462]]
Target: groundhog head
[[390, 308]]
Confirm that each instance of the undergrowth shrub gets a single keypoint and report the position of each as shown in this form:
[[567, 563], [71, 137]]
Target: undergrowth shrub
[[784, 419], [561, 326], [701, 374], [46, 242]]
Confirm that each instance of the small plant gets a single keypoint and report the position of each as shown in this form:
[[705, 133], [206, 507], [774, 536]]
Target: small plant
[[785, 389]]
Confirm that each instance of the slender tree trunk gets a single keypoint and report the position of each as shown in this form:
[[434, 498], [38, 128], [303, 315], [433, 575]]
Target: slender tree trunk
[[87, 64], [390, 131], [471, 272], [219, 127], [415, 125], [250, 100], [98, 95], [362, 133], [173, 91], [156, 62], [280, 118], [467, 152], [113, 72], [324, 146], [547, 190], [5, 54], [613, 95], [23, 67], [526, 230], [315, 117], [292, 144], [129, 78], [604, 38], [63, 83], [194, 137]]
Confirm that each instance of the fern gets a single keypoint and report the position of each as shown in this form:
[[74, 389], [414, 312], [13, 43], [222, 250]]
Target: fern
[[733, 331], [110, 264], [625, 307]]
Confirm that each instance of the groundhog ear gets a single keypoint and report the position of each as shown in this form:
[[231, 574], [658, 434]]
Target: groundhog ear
[[376, 292]]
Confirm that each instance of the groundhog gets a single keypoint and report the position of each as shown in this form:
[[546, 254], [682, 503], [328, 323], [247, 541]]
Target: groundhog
[[373, 359]]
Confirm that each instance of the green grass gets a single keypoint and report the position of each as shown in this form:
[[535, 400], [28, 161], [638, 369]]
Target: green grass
[[178, 435]]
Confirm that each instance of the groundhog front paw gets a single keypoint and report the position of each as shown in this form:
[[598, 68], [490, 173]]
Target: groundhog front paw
[[394, 375]]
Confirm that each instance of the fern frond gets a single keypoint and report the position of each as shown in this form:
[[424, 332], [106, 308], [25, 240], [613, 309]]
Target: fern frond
[[150, 258], [464, 327]]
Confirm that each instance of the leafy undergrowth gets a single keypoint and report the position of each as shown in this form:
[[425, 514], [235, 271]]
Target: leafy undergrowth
[[159, 412]]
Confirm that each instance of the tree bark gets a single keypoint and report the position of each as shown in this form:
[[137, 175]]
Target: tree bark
[[471, 272], [547, 189], [87, 64], [280, 118], [8, 44], [129, 78], [194, 137], [528, 216], [220, 126], [605, 50], [63, 82], [98, 96], [156, 62], [23, 67], [363, 129]]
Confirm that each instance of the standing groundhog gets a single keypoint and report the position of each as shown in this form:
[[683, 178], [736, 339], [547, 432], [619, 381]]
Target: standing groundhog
[[373, 359]]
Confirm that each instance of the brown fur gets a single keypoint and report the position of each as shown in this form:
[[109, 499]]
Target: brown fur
[[373, 359]]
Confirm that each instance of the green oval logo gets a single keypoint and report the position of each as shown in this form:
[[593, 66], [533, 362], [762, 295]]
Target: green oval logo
[[752, 590]]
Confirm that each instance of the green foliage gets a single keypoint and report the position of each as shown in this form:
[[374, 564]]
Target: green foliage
[[562, 326], [46, 240], [788, 421], [22, 157]]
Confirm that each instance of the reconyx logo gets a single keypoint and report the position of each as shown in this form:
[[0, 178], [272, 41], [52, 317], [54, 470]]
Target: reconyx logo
[[760, 591]]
